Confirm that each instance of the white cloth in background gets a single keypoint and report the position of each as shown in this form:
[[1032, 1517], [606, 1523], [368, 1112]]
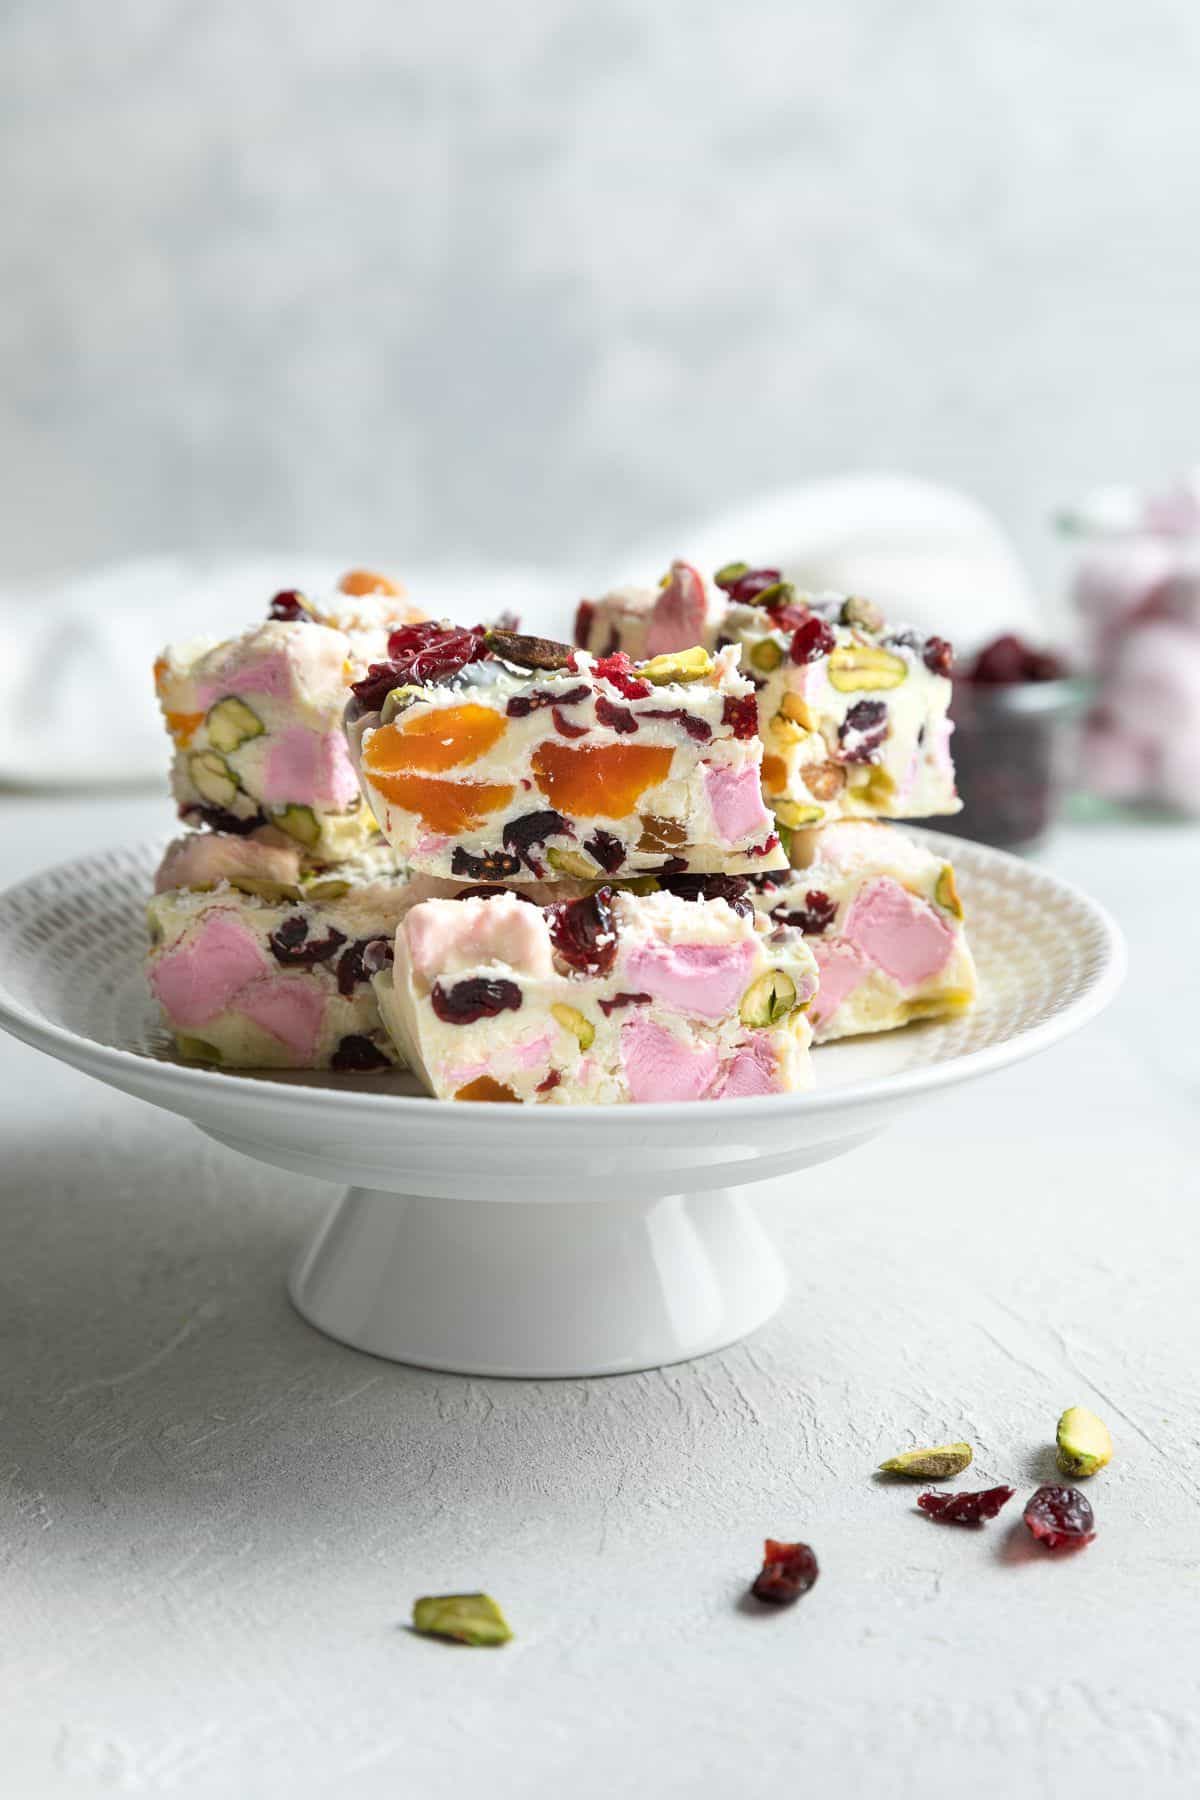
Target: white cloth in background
[[76, 697]]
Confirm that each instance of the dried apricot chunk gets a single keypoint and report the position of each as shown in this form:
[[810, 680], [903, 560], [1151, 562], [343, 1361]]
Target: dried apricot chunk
[[367, 581], [183, 726], [774, 774], [438, 738], [485, 1087], [605, 781], [448, 806]]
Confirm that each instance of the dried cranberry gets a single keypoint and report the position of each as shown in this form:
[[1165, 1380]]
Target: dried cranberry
[[521, 705], [584, 932], [812, 639], [762, 587], [618, 669], [1060, 1517], [585, 612], [733, 888], [815, 916], [289, 605], [520, 835], [493, 865], [607, 850], [608, 1007], [479, 997], [766, 848], [752, 587], [695, 727], [741, 715], [551, 1081], [364, 957], [356, 1052], [490, 892], [418, 654], [788, 1571], [291, 944], [966, 1509], [863, 730], [617, 718], [564, 727], [217, 819], [938, 656], [435, 650]]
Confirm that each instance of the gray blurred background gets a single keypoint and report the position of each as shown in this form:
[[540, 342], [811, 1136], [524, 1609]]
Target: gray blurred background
[[532, 280]]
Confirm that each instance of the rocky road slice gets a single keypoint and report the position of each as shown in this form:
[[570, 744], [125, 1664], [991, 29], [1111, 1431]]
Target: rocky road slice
[[883, 918]]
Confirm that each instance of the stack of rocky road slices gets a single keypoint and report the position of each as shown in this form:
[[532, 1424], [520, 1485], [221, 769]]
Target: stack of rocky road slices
[[646, 867]]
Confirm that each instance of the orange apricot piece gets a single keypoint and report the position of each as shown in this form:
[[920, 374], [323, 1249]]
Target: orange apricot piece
[[440, 737], [486, 1087], [774, 774], [446, 806], [183, 726], [367, 581], [604, 782]]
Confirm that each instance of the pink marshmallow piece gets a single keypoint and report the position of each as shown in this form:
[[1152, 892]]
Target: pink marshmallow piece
[[309, 767], [197, 981], [658, 1066], [270, 676], [680, 612], [735, 796], [443, 937], [842, 969], [290, 1009], [206, 857], [753, 1070], [531, 1051], [898, 932], [703, 979]]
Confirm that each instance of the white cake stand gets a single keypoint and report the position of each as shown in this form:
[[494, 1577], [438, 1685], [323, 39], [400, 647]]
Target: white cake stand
[[500, 1240]]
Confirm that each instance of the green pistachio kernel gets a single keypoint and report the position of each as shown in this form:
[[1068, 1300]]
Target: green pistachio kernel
[[795, 816], [680, 666], [231, 722], [937, 1464], [766, 655], [572, 862], [863, 613], [942, 1005], [572, 1020], [1083, 1441], [326, 888], [212, 777], [854, 668], [262, 889], [946, 892], [767, 1000], [464, 1618], [300, 822], [729, 573], [397, 702], [194, 1049]]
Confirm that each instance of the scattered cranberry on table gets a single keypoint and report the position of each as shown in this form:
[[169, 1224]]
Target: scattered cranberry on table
[[788, 1571]]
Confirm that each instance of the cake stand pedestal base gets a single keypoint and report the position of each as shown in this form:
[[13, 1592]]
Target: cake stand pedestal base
[[533, 1289]]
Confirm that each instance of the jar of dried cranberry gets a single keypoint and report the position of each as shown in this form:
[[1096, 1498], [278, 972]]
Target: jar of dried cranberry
[[1014, 710]]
